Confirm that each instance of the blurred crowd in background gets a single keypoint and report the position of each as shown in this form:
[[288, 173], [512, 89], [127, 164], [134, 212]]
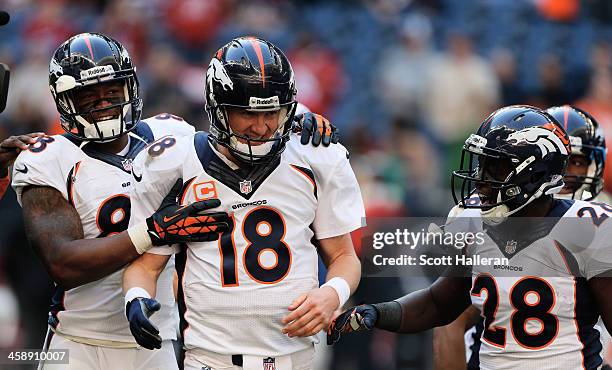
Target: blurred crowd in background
[[405, 81]]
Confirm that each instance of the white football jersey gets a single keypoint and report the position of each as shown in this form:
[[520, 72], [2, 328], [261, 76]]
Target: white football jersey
[[237, 290], [98, 186], [538, 310]]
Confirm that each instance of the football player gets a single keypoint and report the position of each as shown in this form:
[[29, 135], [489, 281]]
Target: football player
[[9, 149], [583, 180], [74, 190], [521, 154], [251, 300]]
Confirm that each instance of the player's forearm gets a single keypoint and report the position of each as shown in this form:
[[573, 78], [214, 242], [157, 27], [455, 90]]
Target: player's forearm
[[78, 262], [346, 267], [424, 309], [343, 266], [139, 275]]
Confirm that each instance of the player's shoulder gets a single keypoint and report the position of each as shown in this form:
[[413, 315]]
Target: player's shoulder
[[168, 124], [316, 156], [50, 149], [165, 155]]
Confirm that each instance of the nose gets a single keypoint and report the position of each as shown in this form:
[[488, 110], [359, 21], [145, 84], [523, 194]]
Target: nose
[[260, 125], [102, 102]]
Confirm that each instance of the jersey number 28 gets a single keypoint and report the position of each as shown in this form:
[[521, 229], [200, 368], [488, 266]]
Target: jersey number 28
[[524, 311]]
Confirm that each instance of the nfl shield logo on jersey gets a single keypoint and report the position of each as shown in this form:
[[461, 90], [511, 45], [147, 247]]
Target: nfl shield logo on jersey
[[269, 364], [127, 164], [511, 246], [245, 187]]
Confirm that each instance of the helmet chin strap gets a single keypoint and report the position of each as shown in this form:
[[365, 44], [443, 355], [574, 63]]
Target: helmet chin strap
[[247, 151], [106, 128], [243, 149], [500, 213]]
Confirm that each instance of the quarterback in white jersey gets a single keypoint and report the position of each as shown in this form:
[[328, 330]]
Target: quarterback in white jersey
[[75, 193], [540, 307], [252, 299]]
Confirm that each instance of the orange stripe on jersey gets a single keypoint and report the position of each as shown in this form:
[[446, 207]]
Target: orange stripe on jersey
[[308, 174], [70, 183], [184, 191]]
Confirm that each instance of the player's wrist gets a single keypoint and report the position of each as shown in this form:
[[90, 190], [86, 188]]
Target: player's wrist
[[341, 287], [389, 315], [139, 235], [136, 292]]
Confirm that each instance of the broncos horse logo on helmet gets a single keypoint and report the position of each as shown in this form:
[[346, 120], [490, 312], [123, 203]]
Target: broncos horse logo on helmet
[[518, 154]]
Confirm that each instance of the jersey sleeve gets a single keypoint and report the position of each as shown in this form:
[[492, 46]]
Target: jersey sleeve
[[155, 170], [46, 164], [598, 257], [340, 207], [165, 124]]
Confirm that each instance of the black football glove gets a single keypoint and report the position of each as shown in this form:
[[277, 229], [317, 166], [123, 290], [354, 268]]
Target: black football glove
[[358, 318], [138, 311], [315, 129], [172, 223]]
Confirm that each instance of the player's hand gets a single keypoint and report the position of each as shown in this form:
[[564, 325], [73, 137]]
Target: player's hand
[[315, 129], [172, 223], [12, 146], [358, 318], [311, 312], [138, 311]]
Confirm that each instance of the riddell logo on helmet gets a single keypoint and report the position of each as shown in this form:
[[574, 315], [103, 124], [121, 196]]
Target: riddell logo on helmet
[[96, 71], [255, 102]]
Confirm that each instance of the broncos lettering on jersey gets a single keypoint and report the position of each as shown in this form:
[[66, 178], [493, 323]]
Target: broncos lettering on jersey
[[236, 290], [98, 186]]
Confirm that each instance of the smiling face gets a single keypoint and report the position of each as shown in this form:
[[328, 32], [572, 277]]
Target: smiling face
[[98, 97]]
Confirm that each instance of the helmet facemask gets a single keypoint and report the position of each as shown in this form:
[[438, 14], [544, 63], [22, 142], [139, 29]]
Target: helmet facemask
[[585, 187], [251, 151], [505, 182], [100, 124]]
